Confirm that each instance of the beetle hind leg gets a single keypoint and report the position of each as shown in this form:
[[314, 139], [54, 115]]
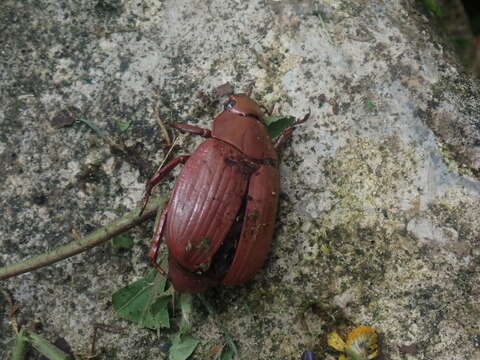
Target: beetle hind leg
[[159, 175], [289, 131], [268, 111], [156, 240]]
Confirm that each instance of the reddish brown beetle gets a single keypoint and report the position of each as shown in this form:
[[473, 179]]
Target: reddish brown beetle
[[220, 217]]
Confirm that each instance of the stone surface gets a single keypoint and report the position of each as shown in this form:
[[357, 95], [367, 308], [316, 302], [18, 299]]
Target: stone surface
[[378, 221]]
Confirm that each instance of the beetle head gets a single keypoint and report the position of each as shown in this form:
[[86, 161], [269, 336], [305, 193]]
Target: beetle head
[[244, 106], [242, 124]]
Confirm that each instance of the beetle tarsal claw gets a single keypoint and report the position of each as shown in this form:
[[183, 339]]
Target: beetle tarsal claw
[[144, 204]]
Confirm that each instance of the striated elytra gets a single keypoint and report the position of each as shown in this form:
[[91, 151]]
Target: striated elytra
[[219, 220]]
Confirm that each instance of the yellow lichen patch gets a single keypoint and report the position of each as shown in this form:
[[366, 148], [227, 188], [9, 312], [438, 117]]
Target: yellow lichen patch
[[364, 177], [335, 341]]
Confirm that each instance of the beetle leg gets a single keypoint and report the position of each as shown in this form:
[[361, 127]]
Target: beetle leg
[[192, 129], [157, 238], [288, 131], [159, 175], [268, 111]]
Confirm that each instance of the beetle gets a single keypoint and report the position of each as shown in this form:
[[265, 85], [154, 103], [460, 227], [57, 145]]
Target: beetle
[[220, 217]]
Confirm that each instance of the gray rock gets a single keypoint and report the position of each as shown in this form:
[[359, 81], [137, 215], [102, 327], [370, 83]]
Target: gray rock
[[378, 221]]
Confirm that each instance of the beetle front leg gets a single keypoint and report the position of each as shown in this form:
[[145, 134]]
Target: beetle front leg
[[159, 175], [288, 131], [192, 129], [157, 238], [268, 111]]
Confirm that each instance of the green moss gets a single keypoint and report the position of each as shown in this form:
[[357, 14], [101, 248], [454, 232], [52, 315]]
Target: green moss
[[364, 174], [433, 7], [368, 105], [366, 181]]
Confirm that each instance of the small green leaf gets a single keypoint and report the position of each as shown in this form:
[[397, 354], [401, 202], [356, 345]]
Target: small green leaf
[[92, 126], [122, 242], [182, 347], [368, 105], [226, 335], [123, 125], [276, 124], [144, 302], [434, 7]]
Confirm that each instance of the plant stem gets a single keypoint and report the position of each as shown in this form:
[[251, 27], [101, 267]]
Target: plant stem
[[224, 330], [75, 247], [46, 348], [20, 349]]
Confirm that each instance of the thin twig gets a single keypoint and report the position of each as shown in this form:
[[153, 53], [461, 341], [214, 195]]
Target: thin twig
[[96, 238], [155, 110], [104, 327], [177, 141]]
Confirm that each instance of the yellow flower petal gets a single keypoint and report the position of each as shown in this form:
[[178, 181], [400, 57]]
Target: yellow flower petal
[[335, 341], [362, 343]]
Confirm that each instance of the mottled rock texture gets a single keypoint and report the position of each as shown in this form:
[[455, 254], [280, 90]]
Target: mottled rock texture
[[379, 214]]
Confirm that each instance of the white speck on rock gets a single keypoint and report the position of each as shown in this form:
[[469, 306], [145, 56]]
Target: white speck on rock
[[428, 232]]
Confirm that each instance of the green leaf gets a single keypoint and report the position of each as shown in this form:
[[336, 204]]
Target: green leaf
[[434, 7], [182, 347], [227, 353], [21, 346], [122, 242], [92, 126], [368, 105], [277, 123], [123, 125], [46, 348], [144, 302], [230, 343]]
